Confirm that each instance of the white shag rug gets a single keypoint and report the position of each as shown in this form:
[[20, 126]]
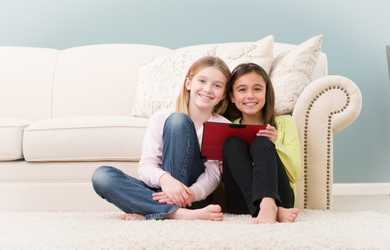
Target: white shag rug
[[313, 230]]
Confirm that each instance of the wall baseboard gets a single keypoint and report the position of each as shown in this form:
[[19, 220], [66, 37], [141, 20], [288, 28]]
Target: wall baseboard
[[361, 189]]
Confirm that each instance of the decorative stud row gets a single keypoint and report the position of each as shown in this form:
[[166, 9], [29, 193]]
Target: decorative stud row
[[328, 144]]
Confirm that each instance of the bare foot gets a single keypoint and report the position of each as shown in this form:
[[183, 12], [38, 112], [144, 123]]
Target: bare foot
[[211, 212], [267, 213], [287, 214], [132, 217]]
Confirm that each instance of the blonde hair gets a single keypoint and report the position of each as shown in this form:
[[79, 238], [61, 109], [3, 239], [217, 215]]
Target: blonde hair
[[183, 99]]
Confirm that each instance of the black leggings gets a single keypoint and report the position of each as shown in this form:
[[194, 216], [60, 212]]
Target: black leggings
[[252, 172]]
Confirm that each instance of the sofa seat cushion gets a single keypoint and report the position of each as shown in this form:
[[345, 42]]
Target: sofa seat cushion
[[85, 139], [11, 134]]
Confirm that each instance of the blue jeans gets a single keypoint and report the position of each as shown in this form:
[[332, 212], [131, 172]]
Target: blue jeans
[[180, 157]]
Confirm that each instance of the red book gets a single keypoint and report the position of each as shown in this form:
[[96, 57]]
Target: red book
[[215, 134]]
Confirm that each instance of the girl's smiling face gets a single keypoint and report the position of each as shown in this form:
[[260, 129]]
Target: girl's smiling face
[[249, 93], [207, 88]]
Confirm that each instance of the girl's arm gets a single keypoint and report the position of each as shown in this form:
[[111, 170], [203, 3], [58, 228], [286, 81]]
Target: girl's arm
[[288, 147], [207, 182], [150, 170]]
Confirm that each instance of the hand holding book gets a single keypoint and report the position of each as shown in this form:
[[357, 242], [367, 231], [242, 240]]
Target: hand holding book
[[269, 131]]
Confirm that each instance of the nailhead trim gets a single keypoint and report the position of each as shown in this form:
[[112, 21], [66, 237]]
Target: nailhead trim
[[328, 143]]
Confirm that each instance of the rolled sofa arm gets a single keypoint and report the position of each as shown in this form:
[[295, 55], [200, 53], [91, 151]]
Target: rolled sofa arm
[[326, 106]]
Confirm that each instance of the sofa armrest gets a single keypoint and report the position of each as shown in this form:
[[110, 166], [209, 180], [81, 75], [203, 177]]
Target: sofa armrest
[[326, 106]]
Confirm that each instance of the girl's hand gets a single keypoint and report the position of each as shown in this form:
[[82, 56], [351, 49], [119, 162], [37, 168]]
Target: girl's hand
[[269, 132], [177, 192], [161, 197]]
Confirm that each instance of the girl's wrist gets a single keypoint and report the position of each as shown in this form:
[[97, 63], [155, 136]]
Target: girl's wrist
[[163, 177]]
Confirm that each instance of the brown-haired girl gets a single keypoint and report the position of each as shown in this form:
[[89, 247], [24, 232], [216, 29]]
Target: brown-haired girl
[[260, 178]]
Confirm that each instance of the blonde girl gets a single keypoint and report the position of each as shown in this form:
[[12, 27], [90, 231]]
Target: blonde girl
[[172, 173]]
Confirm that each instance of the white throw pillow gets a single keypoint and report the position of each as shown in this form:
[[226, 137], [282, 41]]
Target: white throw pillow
[[159, 82], [291, 71]]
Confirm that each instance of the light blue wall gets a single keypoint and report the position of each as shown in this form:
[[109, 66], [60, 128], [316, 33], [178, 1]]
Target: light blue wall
[[355, 36]]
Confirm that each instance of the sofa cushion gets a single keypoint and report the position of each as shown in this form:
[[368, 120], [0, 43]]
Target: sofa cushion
[[11, 134], [291, 71], [160, 81], [84, 139]]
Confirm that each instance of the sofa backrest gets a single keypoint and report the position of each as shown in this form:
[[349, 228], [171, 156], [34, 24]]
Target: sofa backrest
[[38, 83], [99, 79], [26, 78]]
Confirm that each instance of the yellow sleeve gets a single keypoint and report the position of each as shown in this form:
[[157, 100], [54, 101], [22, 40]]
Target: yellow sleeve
[[288, 147]]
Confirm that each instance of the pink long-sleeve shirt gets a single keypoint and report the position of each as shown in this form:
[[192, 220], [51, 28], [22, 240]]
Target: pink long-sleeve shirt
[[150, 169]]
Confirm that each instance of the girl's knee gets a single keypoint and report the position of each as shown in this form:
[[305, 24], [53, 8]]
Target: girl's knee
[[262, 143], [232, 146], [178, 120], [102, 178], [232, 143]]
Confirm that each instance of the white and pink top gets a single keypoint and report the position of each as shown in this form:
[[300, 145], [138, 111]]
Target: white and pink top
[[150, 169]]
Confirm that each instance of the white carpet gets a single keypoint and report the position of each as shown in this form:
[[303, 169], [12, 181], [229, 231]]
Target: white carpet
[[313, 230]]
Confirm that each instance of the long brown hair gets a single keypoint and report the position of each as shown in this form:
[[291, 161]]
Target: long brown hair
[[232, 113], [183, 99]]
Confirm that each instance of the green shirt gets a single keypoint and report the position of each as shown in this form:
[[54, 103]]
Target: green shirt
[[287, 146]]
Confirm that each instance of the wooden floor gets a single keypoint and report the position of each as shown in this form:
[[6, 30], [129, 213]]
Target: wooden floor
[[380, 203]]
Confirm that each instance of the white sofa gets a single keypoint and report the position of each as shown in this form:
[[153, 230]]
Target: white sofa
[[68, 111]]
